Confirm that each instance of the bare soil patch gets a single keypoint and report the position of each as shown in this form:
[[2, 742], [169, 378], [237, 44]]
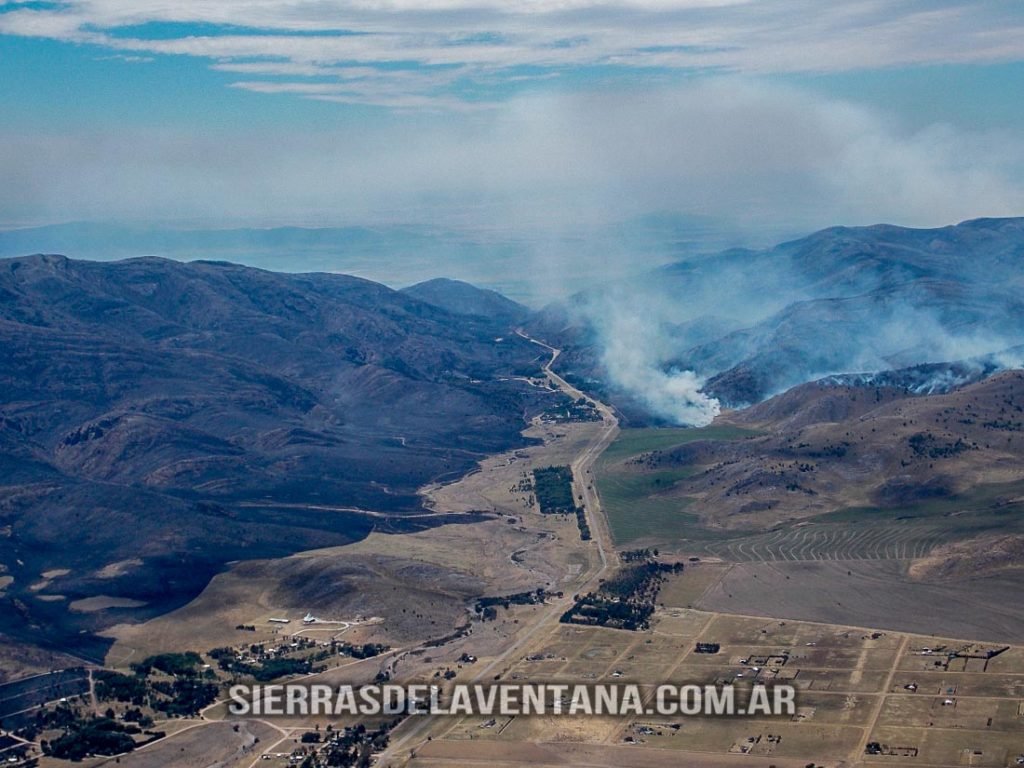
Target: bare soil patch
[[871, 594]]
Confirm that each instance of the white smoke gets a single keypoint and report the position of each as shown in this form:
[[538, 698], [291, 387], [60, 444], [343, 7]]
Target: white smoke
[[634, 358]]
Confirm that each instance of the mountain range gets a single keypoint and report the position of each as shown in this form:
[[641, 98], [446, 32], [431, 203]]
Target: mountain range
[[846, 300], [174, 417]]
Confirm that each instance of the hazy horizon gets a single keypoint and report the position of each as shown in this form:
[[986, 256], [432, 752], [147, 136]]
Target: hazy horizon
[[542, 120], [401, 254]]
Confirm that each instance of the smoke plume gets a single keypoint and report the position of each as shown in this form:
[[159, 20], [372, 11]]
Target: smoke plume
[[634, 358]]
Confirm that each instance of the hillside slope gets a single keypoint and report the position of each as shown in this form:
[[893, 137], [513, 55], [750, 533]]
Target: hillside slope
[[180, 416], [753, 324], [827, 448], [461, 298]]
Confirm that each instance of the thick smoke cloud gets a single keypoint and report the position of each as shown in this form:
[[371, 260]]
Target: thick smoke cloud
[[634, 357], [918, 309]]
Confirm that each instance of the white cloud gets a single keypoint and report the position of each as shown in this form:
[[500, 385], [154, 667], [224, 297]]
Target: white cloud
[[491, 39]]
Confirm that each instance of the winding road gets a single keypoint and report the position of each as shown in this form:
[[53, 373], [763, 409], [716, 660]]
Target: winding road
[[414, 730], [583, 465]]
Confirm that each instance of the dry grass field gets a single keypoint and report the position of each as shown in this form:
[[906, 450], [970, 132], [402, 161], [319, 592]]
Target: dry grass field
[[207, 744], [421, 584], [17, 662], [872, 594]]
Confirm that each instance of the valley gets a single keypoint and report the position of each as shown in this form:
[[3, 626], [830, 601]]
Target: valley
[[321, 479], [185, 416], [852, 689], [794, 601]]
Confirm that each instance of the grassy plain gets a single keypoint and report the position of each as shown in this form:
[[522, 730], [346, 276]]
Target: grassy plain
[[637, 501]]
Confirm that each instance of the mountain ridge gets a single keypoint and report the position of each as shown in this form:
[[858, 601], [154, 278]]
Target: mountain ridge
[[190, 414], [753, 323]]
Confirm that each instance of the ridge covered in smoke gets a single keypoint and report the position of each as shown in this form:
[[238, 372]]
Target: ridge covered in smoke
[[732, 329]]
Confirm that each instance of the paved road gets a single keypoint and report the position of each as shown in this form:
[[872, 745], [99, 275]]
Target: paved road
[[413, 731], [583, 465]]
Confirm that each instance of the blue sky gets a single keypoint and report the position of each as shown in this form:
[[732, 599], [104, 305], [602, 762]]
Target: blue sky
[[798, 113]]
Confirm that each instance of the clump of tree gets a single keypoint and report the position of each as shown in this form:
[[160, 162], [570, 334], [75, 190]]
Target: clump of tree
[[91, 736], [1004, 424], [553, 488], [534, 597], [363, 651], [183, 697], [625, 601], [638, 555], [265, 670], [582, 524], [114, 686], [175, 664], [459, 632], [190, 688], [829, 450], [926, 445], [84, 734]]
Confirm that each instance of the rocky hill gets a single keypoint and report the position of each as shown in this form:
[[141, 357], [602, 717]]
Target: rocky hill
[[464, 299]]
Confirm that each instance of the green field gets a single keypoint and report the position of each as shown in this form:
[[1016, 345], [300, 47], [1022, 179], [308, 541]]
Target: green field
[[987, 505], [638, 501], [633, 442], [642, 509]]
